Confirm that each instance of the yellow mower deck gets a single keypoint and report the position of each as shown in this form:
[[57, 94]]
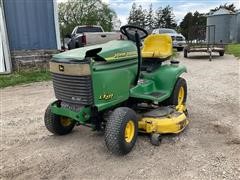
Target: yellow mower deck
[[174, 122]]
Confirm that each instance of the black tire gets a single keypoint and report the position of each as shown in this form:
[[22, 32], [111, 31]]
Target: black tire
[[115, 130], [179, 48], [221, 53], [173, 99], [77, 45], [54, 125], [185, 53]]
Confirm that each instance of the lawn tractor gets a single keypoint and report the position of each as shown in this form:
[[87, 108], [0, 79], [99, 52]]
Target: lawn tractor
[[123, 87]]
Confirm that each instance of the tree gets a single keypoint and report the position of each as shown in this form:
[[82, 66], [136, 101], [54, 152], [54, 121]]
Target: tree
[[132, 17], [84, 12], [193, 26], [137, 16], [230, 7], [165, 18], [186, 24], [158, 20], [168, 17], [150, 18]]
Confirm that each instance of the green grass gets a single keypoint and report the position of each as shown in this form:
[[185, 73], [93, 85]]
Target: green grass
[[24, 77], [233, 49], [175, 53]]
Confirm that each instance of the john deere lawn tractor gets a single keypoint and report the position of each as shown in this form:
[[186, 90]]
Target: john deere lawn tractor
[[123, 87]]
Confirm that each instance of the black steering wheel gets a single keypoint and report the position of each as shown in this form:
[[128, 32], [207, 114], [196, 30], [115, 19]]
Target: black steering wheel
[[135, 33], [130, 30]]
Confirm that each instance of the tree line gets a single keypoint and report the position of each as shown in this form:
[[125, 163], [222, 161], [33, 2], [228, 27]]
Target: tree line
[[150, 19], [193, 25], [94, 12], [164, 18]]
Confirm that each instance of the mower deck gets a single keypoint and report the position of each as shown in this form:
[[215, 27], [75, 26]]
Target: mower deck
[[163, 120]]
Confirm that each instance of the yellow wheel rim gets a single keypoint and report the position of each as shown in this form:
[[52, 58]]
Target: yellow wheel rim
[[181, 96], [65, 121], [129, 131]]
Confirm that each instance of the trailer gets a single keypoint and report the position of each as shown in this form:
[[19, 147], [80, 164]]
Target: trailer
[[202, 39]]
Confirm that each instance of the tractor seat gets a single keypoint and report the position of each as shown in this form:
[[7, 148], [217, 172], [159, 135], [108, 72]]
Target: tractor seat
[[157, 46]]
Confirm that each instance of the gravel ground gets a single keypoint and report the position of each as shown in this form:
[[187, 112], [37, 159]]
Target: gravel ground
[[208, 149]]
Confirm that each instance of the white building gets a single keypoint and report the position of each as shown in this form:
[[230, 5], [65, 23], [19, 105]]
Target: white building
[[5, 63]]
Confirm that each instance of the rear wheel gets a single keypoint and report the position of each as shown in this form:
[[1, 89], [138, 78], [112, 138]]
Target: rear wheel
[[221, 53], [121, 131], [56, 124], [179, 94], [185, 53]]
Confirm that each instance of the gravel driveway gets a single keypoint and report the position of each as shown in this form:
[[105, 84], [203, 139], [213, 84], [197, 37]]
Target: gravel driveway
[[208, 149]]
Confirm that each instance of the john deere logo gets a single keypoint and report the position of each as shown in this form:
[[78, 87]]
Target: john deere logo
[[61, 68]]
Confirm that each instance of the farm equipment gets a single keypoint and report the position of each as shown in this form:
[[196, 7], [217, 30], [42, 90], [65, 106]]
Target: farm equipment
[[202, 39], [119, 88]]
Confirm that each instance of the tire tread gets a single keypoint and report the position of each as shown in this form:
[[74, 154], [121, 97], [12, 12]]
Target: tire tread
[[114, 127], [52, 123]]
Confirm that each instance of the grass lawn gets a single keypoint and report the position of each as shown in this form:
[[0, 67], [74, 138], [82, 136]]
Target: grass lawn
[[24, 77], [233, 49], [175, 53]]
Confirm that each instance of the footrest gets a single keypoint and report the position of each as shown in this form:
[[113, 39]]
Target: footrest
[[157, 94], [146, 90]]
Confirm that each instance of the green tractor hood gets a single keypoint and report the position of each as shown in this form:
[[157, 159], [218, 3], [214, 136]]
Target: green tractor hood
[[116, 50]]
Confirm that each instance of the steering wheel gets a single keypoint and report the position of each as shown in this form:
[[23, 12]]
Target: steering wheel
[[130, 30]]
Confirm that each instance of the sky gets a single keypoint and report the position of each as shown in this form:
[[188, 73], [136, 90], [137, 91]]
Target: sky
[[180, 7]]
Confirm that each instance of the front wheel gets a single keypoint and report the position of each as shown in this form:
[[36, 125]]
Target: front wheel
[[56, 124], [121, 131]]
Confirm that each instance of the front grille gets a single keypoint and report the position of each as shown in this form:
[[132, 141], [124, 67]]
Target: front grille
[[73, 89], [179, 38]]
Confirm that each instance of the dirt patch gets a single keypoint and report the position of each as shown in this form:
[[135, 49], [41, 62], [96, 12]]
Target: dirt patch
[[221, 129], [234, 141], [208, 149]]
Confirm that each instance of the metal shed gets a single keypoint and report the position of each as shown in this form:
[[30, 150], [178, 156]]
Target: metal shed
[[29, 31], [225, 26], [32, 24], [238, 26]]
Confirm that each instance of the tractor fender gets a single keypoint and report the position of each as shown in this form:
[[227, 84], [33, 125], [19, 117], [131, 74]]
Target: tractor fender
[[166, 76]]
